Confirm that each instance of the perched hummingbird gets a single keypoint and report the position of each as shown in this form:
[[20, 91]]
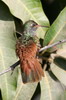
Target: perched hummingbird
[[26, 50]]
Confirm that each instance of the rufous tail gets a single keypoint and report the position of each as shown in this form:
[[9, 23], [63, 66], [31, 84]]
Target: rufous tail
[[31, 70]]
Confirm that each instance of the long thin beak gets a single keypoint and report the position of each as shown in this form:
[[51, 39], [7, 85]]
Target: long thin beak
[[41, 26]]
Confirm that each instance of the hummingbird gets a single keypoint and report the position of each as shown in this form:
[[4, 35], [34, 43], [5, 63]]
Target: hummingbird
[[27, 49]]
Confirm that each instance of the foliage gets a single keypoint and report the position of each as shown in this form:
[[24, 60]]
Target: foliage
[[53, 85]]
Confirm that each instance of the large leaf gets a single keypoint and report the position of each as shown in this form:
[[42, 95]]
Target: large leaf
[[8, 82], [51, 88], [29, 9], [7, 53], [54, 31], [63, 96], [59, 69], [24, 91], [62, 52]]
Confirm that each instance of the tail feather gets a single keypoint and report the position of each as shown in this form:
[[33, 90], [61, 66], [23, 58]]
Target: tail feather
[[31, 71]]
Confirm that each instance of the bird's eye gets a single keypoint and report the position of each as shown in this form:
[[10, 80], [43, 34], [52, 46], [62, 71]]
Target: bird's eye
[[31, 25]]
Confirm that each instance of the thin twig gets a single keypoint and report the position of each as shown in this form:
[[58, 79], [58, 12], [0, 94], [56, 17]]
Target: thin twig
[[12, 67], [52, 45], [19, 33], [5, 71]]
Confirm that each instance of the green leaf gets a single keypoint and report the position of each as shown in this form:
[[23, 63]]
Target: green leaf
[[63, 96], [54, 31], [62, 52], [59, 69], [29, 10], [7, 53], [24, 91], [51, 88]]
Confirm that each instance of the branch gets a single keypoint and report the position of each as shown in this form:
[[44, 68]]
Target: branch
[[52, 45], [12, 67]]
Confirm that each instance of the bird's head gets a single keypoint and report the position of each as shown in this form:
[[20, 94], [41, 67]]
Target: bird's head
[[30, 27]]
